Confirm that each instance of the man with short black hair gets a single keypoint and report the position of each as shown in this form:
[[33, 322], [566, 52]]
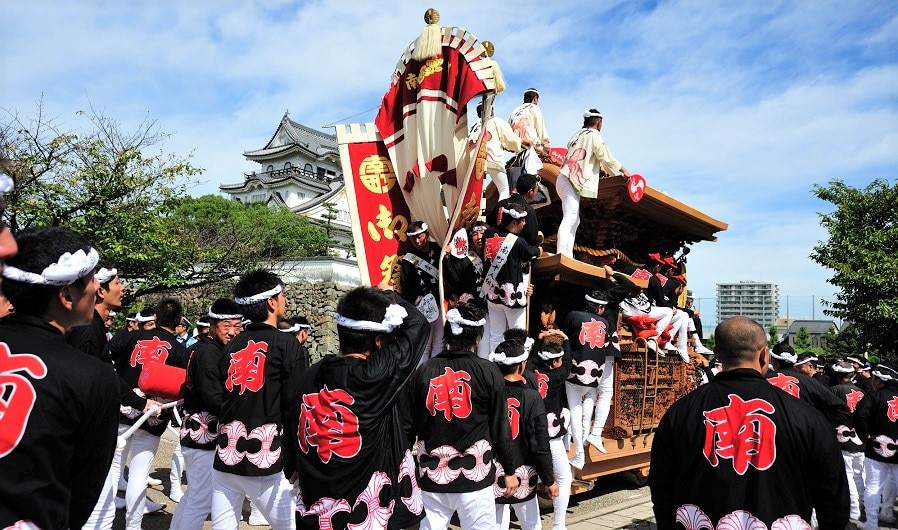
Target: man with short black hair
[[92, 340], [587, 156], [346, 421], [875, 418], [60, 407], [260, 369], [738, 452], [299, 327], [202, 404], [457, 410], [591, 381], [130, 357], [851, 443], [504, 285], [418, 274], [526, 189], [530, 439]]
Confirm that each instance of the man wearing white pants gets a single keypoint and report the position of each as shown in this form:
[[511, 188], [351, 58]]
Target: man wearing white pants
[[551, 368], [499, 136], [591, 371], [260, 368], [202, 404], [130, 356], [505, 286], [587, 157], [877, 420]]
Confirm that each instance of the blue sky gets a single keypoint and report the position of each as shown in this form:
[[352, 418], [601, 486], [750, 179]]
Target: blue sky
[[735, 108]]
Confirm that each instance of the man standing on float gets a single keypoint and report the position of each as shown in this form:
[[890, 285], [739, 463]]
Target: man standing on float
[[587, 157]]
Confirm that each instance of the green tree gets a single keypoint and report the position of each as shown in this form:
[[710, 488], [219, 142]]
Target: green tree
[[802, 339], [774, 336], [127, 196], [860, 251], [710, 342], [840, 344], [218, 238], [329, 217]]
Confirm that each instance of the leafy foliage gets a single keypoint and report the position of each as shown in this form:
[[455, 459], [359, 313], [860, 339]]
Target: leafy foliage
[[840, 344], [802, 339], [774, 336], [126, 195], [861, 252]]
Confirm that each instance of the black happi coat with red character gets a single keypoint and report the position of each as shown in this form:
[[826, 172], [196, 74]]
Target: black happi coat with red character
[[202, 396], [136, 350], [509, 287], [260, 368], [457, 410], [812, 392], [530, 437], [57, 426], [355, 463], [590, 340], [91, 339], [740, 453], [846, 434], [877, 422], [551, 389]]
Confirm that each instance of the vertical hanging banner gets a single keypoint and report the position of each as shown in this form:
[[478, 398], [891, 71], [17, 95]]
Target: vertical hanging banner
[[423, 121], [380, 215]]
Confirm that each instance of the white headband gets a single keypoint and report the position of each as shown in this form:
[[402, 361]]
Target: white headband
[[785, 356], [590, 114], [6, 184], [216, 316], [478, 228], [595, 300], [884, 376], [842, 369], [853, 360], [535, 91], [292, 329], [140, 318], [420, 231], [501, 358], [513, 214], [105, 275], [201, 324], [455, 320], [805, 360], [66, 270], [393, 317], [261, 297], [548, 356], [131, 319]]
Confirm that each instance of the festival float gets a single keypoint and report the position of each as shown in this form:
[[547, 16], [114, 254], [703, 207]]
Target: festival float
[[414, 163]]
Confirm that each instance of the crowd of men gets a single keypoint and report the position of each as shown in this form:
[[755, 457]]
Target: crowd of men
[[431, 407]]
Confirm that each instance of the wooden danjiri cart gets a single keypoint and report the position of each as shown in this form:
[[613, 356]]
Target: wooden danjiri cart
[[644, 384], [415, 162]]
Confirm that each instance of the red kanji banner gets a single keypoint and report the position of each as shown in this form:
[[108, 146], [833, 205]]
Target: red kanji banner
[[380, 215]]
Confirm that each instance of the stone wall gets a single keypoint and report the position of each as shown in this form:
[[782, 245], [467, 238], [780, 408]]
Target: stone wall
[[314, 286], [318, 303]]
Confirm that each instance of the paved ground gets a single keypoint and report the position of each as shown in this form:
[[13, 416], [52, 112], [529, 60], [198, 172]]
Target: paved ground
[[616, 502]]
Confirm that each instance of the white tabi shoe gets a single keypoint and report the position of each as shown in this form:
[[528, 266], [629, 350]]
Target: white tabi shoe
[[596, 441], [256, 518], [578, 461], [702, 349], [154, 482], [176, 494]]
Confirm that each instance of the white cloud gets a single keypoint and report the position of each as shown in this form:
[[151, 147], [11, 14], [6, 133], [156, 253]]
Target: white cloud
[[737, 109]]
